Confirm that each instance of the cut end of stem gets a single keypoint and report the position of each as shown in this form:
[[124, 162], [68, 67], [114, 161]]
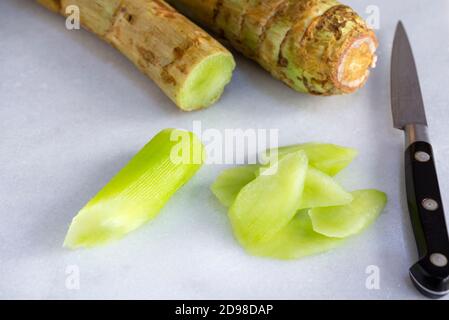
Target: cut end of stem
[[206, 82], [355, 63]]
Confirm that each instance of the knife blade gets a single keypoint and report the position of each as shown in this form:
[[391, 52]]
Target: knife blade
[[430, 274], [406, 98]]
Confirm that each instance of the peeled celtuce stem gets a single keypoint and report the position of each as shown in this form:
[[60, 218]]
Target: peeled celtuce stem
[[139, 191], [316, 46], [190, 67]]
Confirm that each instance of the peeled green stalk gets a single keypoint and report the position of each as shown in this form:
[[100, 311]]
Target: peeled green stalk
[[296, 240], [269, 202], [139, 191], [350, 219]]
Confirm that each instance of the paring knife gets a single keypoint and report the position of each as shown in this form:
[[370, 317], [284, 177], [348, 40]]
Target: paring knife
[[431, 273]]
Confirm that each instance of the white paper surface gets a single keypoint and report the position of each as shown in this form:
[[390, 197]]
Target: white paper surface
[[73, 111]]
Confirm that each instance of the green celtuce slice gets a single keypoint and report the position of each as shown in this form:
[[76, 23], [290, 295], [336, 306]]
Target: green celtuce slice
[[296, 240], [320, 190], [268, 203], [229, 183], [326, 157], [139, 191], [351, 219], [267, 223]]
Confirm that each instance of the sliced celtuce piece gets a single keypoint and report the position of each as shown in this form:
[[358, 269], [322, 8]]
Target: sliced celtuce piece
[[229, 183], [348, 220], [268, 203], [139, 191], [320, 190], [262, 214], [296, 240], [328, 158], [315, 46], [190, 67]]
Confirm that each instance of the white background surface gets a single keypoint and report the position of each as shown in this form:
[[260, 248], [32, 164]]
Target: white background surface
[[73, 111]]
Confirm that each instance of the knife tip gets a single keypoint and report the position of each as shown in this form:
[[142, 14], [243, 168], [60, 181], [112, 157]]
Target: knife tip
[[400, 26], [400, 33]]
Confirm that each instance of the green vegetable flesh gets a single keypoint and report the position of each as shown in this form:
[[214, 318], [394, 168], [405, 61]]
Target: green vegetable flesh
[[350, 219], [320, 190], [296, 240], [139, 191], [328, 158], [268, 203], [266, 220], [206, 82], [229, 183]]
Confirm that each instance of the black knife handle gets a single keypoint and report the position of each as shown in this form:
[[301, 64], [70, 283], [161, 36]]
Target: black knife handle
[[431, 273]]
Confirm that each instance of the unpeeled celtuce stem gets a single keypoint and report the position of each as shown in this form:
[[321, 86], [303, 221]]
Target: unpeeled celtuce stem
[[190, 67], [317, 46]]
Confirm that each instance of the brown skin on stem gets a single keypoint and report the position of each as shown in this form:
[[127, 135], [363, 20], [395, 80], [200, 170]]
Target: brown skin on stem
[[189, 66], [257, 18], [315, 46], [53, 5]]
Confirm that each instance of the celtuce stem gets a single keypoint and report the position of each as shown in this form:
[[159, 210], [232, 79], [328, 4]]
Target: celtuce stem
[[189, 66], [316, 46]]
